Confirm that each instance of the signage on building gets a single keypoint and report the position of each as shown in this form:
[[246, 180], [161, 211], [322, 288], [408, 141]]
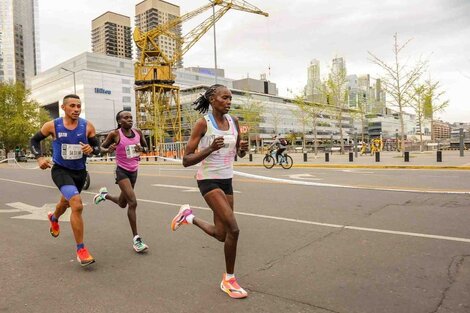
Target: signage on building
[[102, 90]]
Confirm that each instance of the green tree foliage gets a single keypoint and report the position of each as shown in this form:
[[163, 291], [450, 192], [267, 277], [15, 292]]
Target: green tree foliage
[[249, 114], [20, 116], [399, 79]]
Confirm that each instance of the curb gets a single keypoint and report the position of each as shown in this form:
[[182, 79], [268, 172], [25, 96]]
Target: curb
[[365, 166]]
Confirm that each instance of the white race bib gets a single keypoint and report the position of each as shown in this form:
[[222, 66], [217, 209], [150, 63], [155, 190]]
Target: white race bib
[[230, 142], [71, 152], [130, 152]]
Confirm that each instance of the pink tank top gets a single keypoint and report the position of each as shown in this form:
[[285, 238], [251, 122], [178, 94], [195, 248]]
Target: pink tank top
[[126, 156]]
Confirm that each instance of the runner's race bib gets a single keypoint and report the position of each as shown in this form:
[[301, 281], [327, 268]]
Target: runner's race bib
[[71, 152], [230, 142], [130, 152]]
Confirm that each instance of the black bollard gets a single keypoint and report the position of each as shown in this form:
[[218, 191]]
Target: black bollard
[[235, 157], [407, 156], [305, 157], [377, 157], [439, 156], [327, 157], [351, 157], [251, 157]]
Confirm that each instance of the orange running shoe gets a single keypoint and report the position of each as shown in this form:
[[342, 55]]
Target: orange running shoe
[[54, 229], [84, 257], [232, 288], [180, 218]]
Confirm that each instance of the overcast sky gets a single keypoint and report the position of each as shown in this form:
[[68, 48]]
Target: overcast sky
[[297, 31]]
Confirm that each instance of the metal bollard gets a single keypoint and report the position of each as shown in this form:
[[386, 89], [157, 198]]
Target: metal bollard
[[351, 157], [251, 157], [305, 157], [407, 156], [236, 157], [439, 156], [327, 157], [377, 157]]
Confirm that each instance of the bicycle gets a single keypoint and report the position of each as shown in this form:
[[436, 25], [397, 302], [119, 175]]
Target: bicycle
[[285, 160]]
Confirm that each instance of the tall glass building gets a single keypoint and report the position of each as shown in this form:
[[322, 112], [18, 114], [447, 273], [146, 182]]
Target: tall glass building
[[19, 40]]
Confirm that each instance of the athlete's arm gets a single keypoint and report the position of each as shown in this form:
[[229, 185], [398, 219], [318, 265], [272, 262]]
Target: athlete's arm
[[190, 156], [242, 145], [143, 144], [92, 145], [109, 144], [46, 130]]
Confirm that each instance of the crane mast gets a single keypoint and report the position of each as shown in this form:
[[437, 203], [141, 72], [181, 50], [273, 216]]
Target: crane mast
[[158, 110]]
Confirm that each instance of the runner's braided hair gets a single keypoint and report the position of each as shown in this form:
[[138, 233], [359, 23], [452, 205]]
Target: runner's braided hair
[[202, 103], [117, 118]]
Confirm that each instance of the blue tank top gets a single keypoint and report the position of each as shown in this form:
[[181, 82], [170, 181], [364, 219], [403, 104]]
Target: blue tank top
[[66, 148]]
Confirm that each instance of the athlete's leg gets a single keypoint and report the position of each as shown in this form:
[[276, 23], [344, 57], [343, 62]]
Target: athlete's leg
[[128, 196], [61, 207], [76, 220], [119, 200], [222, 208]]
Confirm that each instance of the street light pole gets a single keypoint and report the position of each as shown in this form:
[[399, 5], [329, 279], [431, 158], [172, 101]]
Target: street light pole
[[74, 84], [215, 44]]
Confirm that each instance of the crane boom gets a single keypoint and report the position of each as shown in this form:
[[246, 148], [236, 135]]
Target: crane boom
[[157, 99]]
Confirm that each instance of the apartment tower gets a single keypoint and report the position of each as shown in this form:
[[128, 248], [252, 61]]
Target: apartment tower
[[111, 35], [19, 40], [151, 13]]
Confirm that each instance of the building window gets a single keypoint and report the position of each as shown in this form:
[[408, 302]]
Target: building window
[[126, 99]]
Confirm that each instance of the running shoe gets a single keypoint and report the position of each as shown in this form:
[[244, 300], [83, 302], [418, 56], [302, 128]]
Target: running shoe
[[100, 197], [232, 288], [139, 245], [54, 229], [84, 257], [180, 218]]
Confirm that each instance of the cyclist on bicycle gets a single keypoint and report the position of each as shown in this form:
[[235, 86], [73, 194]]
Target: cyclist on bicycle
[[280, 143]]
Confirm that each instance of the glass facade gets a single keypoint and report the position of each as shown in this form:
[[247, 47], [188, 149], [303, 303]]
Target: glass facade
[[19, 40]]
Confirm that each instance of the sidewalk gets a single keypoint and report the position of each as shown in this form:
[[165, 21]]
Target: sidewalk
[[417, 160]]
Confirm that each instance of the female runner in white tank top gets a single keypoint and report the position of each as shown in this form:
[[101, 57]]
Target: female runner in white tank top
[[215, 136]]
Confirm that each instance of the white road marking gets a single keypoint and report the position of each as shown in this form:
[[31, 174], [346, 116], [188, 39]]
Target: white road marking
[[186, 188], [36, 213], [304, 176], [293, 220], [306, 183]]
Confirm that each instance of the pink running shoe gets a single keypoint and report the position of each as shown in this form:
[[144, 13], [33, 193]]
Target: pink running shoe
[[180, 218], [232, 288]]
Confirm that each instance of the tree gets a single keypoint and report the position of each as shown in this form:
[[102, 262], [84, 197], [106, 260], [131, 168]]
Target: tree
[[399, 79], [418, 104], [432, 102], [311, 112], [334, 89], [249, 114], [301, 115], [20, 116]]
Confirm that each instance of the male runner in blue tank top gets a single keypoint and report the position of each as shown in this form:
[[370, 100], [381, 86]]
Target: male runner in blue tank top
[[73, 140]]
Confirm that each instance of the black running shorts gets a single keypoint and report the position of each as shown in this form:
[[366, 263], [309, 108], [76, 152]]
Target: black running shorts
[[207, 185], [63, 176], [125, 174]]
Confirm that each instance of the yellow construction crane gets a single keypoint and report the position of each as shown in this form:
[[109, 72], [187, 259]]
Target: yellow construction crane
[[157, 99]]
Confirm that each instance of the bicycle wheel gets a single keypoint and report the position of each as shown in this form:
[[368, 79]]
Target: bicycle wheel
[[268, 161], [287, 162]]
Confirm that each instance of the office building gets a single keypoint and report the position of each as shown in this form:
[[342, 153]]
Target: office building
[[19, 40], [312, 90], [111, 35], [151, 13], [104, 84]]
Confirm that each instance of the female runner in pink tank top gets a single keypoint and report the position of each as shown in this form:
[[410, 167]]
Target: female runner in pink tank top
[[127, 143]]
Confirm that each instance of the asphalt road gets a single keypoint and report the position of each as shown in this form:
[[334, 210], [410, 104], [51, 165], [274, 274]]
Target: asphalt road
[[312, 240]]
